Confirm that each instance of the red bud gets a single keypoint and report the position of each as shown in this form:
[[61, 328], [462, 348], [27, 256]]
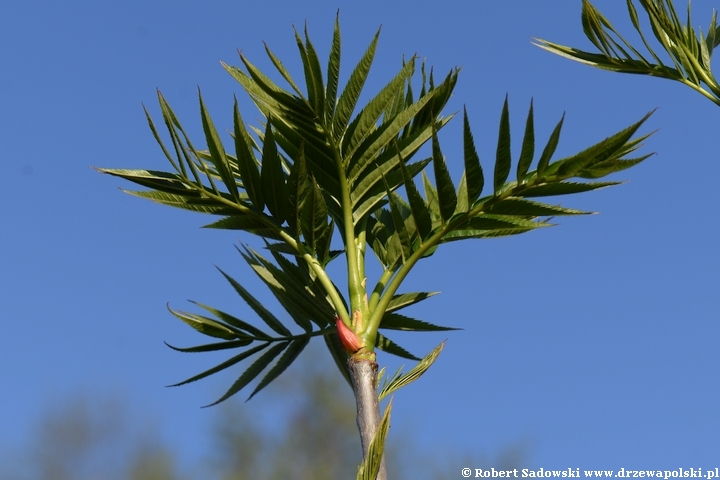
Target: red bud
[[350, 341]]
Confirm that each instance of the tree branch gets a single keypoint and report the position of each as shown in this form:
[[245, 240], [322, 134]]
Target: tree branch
[[363, 373]]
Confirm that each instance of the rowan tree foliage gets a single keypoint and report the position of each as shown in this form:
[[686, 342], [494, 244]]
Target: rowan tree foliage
[[688, 51], [323, 179]]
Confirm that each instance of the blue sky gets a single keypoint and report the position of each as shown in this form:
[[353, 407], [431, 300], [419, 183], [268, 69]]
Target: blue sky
[[594, 342]]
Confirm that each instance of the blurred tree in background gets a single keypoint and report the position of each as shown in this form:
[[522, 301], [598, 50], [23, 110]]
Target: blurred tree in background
[[93, 439]]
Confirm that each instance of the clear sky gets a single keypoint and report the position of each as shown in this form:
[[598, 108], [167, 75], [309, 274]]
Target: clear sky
[[595, 342]]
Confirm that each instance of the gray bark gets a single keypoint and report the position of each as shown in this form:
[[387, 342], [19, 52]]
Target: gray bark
[[364, 378]]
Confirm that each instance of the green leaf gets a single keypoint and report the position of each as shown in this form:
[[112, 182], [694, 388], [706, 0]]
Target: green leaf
[[171, 123], [447, 197], [564, 188], [370, 465], [528, 147], [272, 178], [689, 52], [382, 137], [314, 216], [247, 165], [228, 363], [286, 271], [597, 153], [474, 179], [267, 95], [298, 186], [704, 53], [212, 347], [252, 372], [217, 151], [351, 93], [440, 95], [294, 349], [631, 10], [163, 181], [318, 87], [366, 121], [432, 200], [195, 204], [290, 287], [248, 223], [178, 166], [400, 212], [416, 372], [281, 247], [317, 155], [712, 38], [388, 346], [313, 75], [420, 211], [206, 325], [611, 166], [333, 72], [462, 196], [406, 299], [397, 103], [501, 222], [383, 239], [281, 69], [258, 307], [550, 148], [323, 244], [528, 208], [466, 234], [234, 321], [370, 193], [186, 151], [503, 159], [395, 321]]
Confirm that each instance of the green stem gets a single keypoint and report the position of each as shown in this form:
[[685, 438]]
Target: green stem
[[354, 252], [394, 284], [325, 282], [379, 287], [361, 242]]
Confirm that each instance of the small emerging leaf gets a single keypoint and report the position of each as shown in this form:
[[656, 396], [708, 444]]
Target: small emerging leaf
[[370, 466], [416, 372]]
